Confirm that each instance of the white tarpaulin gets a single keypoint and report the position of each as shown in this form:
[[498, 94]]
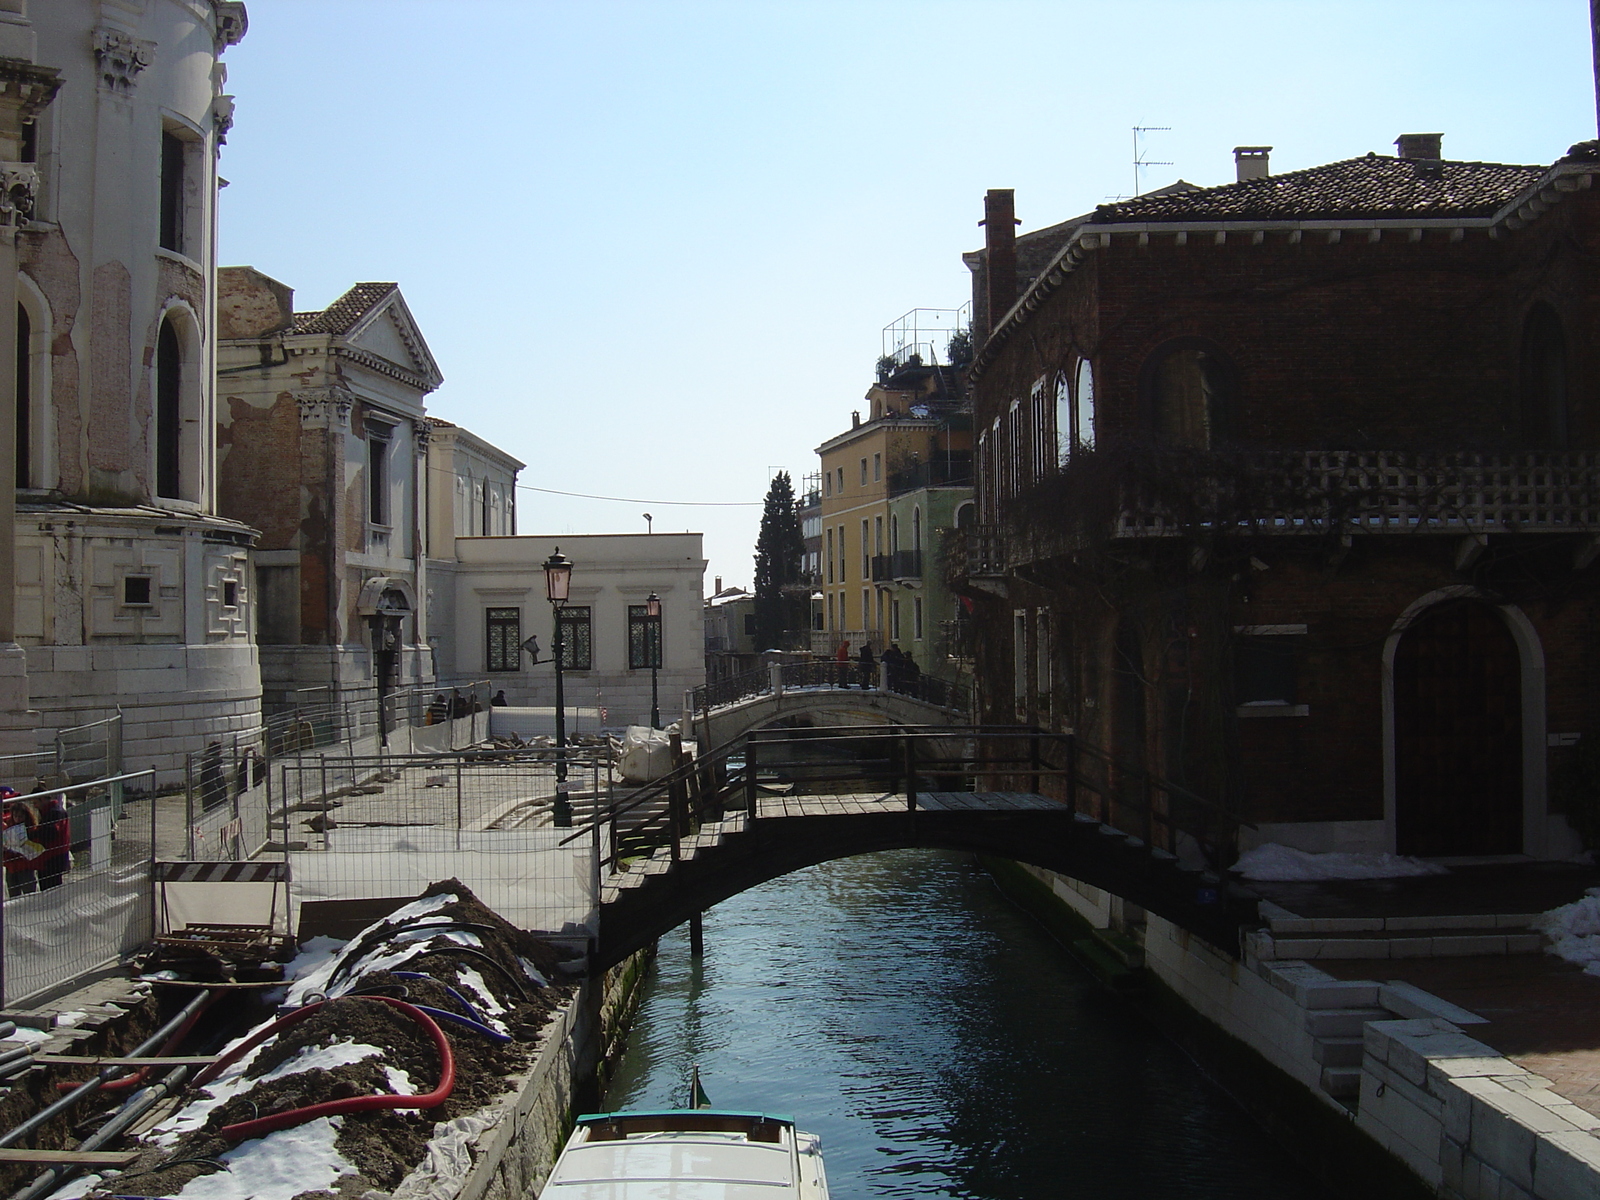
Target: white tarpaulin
[[524, 875], [91, 919]]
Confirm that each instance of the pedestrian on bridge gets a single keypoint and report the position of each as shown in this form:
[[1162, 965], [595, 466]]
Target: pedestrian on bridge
[[842, 657], [895, 660], [867, 665]]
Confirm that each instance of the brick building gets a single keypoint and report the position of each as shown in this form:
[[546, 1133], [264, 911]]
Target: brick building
[[1288, 493], [321, 444]]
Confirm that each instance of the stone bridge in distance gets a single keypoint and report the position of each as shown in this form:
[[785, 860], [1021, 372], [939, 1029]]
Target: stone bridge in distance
[[823, 693]]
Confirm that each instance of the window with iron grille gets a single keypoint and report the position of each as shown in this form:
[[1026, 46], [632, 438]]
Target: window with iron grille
[[644, 638], [503, 628], [577, 642]]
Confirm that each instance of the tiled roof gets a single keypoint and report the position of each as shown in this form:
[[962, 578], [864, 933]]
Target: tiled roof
[[344, 312], [1355, 189]]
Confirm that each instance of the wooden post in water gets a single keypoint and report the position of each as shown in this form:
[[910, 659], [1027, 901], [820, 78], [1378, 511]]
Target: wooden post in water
[[1072, 771], [911, 774], [750, 799], [697, 937]]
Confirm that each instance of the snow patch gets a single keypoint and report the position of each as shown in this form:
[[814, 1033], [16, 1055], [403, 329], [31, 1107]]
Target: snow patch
[[232, 1081], [1272, 863], [1574, 931], [279, 1166]]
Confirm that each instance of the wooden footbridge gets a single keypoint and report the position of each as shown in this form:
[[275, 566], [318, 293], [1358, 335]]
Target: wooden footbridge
[[774, 801]]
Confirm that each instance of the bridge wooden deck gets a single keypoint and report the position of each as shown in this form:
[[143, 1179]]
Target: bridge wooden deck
[[863, 802]]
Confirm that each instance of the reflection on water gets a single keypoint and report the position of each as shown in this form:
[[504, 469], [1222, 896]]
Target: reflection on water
[[938, 1041]]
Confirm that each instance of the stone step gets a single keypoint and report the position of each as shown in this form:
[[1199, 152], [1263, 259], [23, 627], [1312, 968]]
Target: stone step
[[1342, 1082], [1282, 922], [1343, 1022], [1337, 1052], [1407, 945]]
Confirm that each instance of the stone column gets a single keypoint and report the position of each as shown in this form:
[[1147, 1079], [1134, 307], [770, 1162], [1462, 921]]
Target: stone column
[[25, 89]]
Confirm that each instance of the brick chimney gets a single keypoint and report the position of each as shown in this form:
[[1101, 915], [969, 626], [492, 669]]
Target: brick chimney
[[1424, 146], [1000, 243], [1250, 162]]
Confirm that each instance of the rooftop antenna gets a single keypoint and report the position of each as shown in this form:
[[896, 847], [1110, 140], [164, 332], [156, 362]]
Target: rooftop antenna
[[1140, 163]]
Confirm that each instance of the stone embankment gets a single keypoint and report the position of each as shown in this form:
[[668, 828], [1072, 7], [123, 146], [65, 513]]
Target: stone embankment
[[1391, 1059]]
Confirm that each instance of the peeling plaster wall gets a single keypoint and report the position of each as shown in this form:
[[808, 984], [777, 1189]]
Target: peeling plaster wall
[[182, 667]]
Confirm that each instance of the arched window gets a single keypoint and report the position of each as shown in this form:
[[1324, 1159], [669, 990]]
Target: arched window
[[176, 425], [1543, 415], [1074, 412], [1083, 409], [24, 430], [169, 413], [35, 458], [916, 529], [1187, 388], [1065, 442]]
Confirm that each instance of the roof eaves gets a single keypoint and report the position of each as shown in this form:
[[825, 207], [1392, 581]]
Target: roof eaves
[[1536, 199]]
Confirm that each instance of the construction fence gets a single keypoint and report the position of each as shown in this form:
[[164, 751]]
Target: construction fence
[[71, 909], [94, 904]]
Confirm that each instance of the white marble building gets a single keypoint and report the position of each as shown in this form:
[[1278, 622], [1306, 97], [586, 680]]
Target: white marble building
[[130, 591], [497, 601]]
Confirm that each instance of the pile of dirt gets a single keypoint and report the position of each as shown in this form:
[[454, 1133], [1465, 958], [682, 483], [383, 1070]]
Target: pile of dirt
[[496, 981]]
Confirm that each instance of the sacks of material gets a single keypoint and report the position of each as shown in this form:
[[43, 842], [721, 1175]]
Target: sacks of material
[[646, 755]]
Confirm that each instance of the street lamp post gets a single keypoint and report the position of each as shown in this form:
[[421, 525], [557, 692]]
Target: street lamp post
[[558, 584], [652, 611]]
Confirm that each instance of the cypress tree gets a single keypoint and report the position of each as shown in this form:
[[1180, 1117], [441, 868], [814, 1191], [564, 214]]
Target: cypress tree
[[780, 552]]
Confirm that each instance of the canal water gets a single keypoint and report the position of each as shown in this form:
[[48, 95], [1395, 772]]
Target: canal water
[[939, 1041]]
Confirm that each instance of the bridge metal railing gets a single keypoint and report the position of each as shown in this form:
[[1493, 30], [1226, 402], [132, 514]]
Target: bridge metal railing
[[913, 760], [832, 673]]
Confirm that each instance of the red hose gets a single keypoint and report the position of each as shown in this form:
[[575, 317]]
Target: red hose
[[167, 1047], [330, 1108]]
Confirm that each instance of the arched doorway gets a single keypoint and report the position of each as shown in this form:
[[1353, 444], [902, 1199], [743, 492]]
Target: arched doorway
[[1458, 733]]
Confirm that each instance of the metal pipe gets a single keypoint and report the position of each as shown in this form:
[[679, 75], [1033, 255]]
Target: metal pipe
[[53, 1177], [89, 1086]]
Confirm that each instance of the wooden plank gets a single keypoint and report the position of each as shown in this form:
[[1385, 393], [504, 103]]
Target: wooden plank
[[87, 1158], [112, 1060], [207, 983], [344, 919]]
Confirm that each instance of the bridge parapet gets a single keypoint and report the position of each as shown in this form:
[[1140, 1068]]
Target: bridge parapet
[[831, 675]]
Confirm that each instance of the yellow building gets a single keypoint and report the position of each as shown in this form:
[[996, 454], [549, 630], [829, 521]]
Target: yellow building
[[907, 427]]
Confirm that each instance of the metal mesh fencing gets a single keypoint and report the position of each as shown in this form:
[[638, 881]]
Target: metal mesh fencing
[[385, 827], [79, 754], [235, 784], [78, 903]]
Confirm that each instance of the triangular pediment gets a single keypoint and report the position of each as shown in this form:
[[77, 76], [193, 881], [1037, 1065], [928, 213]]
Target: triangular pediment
[[390, 332]]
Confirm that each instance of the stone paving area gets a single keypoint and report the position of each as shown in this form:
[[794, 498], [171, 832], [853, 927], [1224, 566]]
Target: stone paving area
[[1529, 887], [1542, 1013], [406, 792]]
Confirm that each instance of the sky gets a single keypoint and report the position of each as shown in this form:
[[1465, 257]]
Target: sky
[[653, 246]]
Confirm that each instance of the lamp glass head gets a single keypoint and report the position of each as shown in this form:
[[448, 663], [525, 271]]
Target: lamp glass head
[[558, 577]]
